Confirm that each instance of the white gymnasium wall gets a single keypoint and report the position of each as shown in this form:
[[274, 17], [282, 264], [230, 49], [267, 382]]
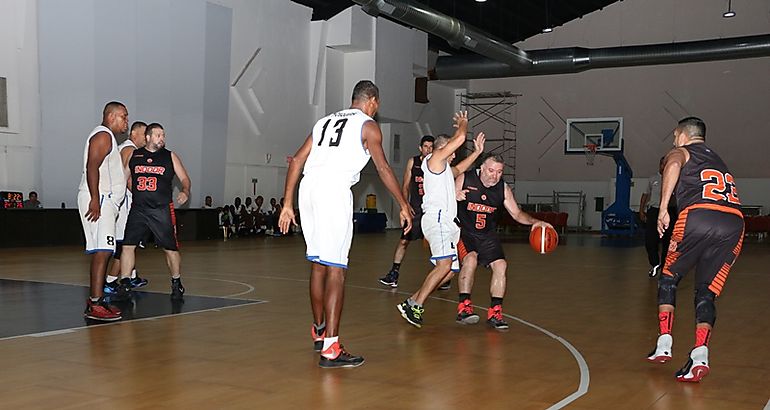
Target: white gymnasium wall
[[156, 64], [270, 105], [20, 144]]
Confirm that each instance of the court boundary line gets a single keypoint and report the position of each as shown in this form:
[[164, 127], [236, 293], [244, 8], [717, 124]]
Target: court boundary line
[[585, 377], [119, 322]]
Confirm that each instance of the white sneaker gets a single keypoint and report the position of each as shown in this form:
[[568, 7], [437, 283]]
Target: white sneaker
[[697, 366], [662, 351]]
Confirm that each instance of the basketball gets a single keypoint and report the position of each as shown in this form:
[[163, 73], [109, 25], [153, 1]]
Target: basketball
[[543, 240]]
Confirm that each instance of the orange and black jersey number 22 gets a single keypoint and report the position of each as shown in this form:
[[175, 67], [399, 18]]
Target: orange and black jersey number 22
[[719, 187]]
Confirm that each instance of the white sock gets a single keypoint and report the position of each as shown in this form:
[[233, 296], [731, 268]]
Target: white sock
[[133, 273], [111, 279], [329, 341]]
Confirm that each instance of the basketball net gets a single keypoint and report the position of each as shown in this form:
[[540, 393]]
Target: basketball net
[[590, 150]]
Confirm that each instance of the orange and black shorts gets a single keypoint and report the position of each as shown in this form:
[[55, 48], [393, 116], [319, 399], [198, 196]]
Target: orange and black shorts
[[708, 238]]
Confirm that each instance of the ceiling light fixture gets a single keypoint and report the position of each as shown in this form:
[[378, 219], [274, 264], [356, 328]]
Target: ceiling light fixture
[[729, 13], [481, 1]]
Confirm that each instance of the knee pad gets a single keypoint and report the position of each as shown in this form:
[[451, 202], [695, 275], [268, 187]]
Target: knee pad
[[705, 308], [667, 289]]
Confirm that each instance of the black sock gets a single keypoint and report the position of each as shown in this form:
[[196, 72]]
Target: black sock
[[396, 267], [464, 297], [496, 301]]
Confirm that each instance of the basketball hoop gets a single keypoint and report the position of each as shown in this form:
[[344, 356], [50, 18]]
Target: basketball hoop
[[590, 150]]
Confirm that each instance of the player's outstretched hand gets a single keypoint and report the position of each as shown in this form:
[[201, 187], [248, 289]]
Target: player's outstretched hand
[[460, 118], [541, 224], [94, 210], [406, 218], [663, 220], [182, 198], [286, 219], [478, 142]]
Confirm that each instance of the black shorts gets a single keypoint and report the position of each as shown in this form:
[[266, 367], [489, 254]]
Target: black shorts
[[416, 232], [160, 222], [709, 240], [487, 246]]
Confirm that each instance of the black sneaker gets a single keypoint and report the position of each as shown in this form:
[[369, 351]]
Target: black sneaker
[[123, 291], [412, 314], [137, 282], [445, 286], [177, 290], [390, 279], [495, 318], [343, 359]]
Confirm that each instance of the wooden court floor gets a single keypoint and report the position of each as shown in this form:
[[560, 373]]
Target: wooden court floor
[[582, 321]]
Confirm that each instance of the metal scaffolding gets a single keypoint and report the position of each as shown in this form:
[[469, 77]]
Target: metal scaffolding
[[500, 107]]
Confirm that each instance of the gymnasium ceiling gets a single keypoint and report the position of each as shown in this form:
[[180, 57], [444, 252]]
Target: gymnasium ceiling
[[510, 20]]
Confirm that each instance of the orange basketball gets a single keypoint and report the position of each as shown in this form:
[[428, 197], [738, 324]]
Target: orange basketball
[[543, 240]]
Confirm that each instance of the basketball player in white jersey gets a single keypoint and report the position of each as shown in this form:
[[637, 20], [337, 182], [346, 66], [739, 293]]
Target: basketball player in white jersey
[[102, 189], [136, 139], [439, 208], [333, 156]]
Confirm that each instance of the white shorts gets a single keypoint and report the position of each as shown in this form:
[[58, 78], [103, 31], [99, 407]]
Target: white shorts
[[326, 215], [442, 234], [100, 235], [120, 227]]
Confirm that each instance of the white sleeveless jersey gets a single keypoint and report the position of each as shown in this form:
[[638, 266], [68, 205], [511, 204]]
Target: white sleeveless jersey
[[439, 191], [127, 143], [338, 153], [112, 179]]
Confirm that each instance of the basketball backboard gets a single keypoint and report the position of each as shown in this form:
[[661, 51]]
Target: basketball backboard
[[605, 133]]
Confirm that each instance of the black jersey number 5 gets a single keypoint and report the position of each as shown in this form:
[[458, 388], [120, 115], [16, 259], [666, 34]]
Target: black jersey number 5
[[338, 127]]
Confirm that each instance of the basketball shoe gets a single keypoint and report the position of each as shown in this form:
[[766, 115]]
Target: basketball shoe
[[177, 290], [465, 313], [495, 318], [318, 338], [412, 314], [390, 279], [336, 356], [122, 290], [697, 366], [662, 351], [111, 288], [136, 281], [445, 286], [101, 311]]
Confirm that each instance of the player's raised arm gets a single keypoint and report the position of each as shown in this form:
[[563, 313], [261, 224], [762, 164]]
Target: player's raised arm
[[436, 162], [467, 163]]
